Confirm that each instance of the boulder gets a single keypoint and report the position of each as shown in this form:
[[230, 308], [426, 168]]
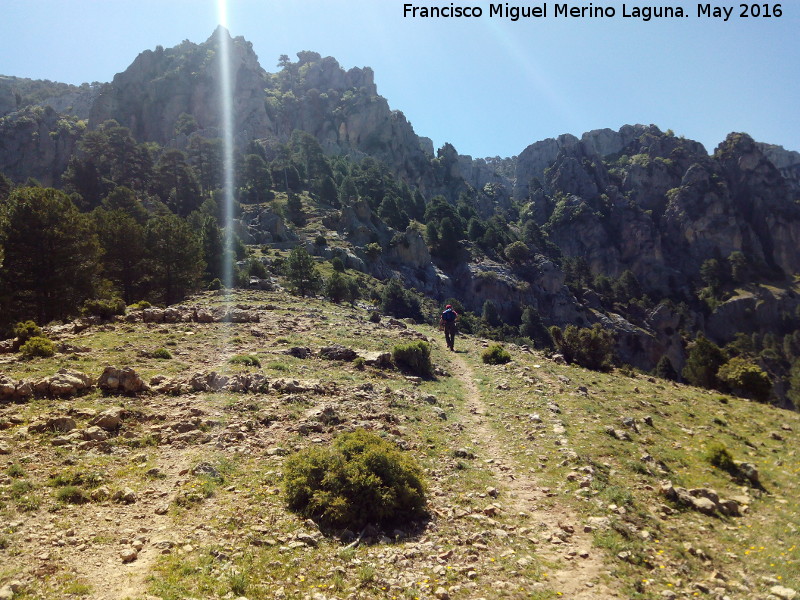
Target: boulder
[[338, 352], [64, 383], [124, 380], [110, 419], [59, 424]]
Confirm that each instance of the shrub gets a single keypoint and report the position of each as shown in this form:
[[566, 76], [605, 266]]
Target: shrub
[[590, 348], [359, 363], [26, 330], [71, 495], [215, 284], [414, 357], [495, 355], [374, 317], [161, 353], [745, 379], [104, 308], [337, 264], [341, 287], [16, 471], [361, 479], [247, 360], [140, 305], [400, 302], [37, 346], [718, 455]]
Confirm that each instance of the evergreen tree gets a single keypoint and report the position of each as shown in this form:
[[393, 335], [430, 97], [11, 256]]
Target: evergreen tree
[[517, 253], [205, 156], [122, 239], [398, 301], [302, 273], [739, 266], [174, 258], [124, 200], [532, 327], [489, 315], [213, 244], [340, 287], [794, 383], [52, 256], [714, 274], [255, 180], [449, 244], [347, 191], [665, 370], [109, 157], [627, 287], [294, 208], [704, 360], [175, 183], [326, 191]]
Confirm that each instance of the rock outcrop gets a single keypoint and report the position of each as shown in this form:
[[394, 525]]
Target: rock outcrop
[[161, 85]]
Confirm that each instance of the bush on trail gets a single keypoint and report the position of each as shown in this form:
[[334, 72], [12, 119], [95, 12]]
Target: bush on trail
[[362, 479]]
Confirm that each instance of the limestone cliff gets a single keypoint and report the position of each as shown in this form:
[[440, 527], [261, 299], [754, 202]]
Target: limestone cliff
[[161, 85]]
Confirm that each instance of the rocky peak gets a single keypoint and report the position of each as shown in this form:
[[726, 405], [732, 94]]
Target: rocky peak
[[161, 85]]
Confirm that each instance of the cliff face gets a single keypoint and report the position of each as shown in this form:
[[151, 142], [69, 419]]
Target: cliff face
[[150, 96], [37, 142]]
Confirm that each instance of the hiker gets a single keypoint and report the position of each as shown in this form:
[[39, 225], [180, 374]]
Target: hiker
[[448, 323]]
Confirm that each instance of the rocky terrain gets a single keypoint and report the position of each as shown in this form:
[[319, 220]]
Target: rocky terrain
[[130, 476]]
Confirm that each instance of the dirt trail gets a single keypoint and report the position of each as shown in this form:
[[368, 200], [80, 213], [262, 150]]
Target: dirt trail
[[113, 580], [578, 566]]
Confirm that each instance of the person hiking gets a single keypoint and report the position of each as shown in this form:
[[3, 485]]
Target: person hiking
[[448, 323]]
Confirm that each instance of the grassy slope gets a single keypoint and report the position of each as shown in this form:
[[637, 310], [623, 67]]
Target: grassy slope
[[232, 535]]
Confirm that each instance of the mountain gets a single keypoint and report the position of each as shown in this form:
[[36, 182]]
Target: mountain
[[637, 230]]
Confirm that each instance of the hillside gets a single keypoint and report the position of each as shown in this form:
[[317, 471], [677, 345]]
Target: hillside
[[545, 480]]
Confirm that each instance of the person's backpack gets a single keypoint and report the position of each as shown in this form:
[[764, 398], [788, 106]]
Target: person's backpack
[[449, 315]]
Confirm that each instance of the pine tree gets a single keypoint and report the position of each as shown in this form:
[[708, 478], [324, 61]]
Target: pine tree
[[174, 257], [302, 273], [52, 256], [665, 370], [704, 360]]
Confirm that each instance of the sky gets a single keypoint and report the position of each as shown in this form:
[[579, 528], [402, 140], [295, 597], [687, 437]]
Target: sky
[[488, 85]]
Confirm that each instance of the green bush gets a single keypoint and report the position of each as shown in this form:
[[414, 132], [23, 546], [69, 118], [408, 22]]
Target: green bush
[[338, 264], [361, 479], [26, 330], [140, 305], [414, 357], [590, 348], [495, 355], [398, 301], [745, 379], [37, 346], [247, 360], [71, 495], [104, 308], [717, 454], [161, 353]]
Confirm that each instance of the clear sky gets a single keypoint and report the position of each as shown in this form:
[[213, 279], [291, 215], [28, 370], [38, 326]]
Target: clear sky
[[488, 85]]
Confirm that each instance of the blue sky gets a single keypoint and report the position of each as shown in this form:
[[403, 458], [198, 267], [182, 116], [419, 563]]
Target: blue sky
[[489, 86]]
